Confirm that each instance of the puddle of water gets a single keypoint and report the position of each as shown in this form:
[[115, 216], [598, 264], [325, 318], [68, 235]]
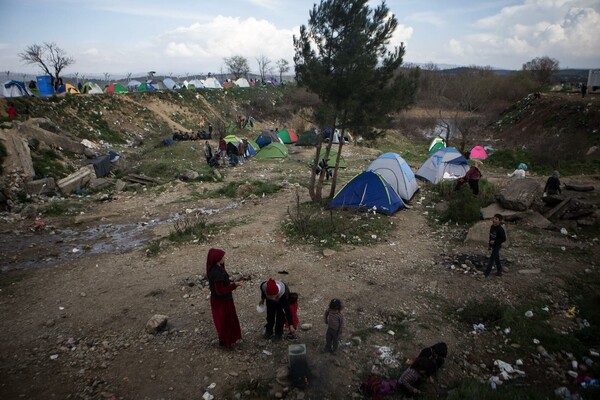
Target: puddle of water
[[46, 249]]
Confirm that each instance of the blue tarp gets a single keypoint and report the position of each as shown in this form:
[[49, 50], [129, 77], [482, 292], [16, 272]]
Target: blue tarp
[[44, 84]]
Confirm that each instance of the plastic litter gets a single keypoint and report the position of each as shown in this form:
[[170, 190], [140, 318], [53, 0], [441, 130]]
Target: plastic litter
[[564, 231], [479, 327], [260, 308], [529, 314]]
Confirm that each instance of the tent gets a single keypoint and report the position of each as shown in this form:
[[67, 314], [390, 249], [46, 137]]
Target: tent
[[170, 84], [91, 88], [267, 137], [478, 153], [232, 139], [134, 84], [44, 84], [447, 163], [287, 136], [15, 89], [273, 150], [308, 138], [332, 156], [115, 88], [195, 84], [397, 173], [159, 86], [368, 190], [145, 87], [253, 147], [242, 82], [68, 88], [436, 144], [212, 83]]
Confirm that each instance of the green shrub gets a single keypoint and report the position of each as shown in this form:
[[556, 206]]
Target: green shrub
[[153, 248], [63, 207], [463, 207], [47, 162]]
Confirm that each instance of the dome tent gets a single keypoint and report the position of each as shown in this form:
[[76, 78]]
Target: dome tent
[[397, 173]]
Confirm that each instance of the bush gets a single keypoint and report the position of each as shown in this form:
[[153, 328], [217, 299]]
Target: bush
[[191, 227], [463, 207]]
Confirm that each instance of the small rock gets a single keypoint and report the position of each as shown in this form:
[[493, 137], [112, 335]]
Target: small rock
[[306, 327], [328, 252], [157, 323]]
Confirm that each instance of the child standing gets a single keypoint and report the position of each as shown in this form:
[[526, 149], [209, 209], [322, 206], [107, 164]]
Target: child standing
[[335, 324], [497, 237], [293, 300]]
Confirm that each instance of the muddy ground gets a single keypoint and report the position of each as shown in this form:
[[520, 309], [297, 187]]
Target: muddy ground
[[74, 304]]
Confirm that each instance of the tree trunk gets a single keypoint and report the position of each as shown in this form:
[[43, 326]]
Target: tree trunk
[[313, 174], [337, 165]]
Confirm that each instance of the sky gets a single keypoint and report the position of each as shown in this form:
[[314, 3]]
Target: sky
[[192, 37]]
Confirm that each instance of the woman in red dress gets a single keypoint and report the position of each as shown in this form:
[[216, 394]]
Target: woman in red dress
[[221, 299]]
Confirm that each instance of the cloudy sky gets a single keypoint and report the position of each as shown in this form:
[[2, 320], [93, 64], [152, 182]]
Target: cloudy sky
[[183, 37]]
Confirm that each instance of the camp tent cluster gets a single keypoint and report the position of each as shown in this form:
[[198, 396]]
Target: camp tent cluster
[[385, 186]]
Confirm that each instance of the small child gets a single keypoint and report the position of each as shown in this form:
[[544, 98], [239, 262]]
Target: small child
[[497, 237], [335, 324], [293, 301]]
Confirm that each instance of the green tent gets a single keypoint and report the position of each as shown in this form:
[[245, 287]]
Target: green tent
[[288, 136], [273, 150], [332, 156], [232, 138], [254, 145]]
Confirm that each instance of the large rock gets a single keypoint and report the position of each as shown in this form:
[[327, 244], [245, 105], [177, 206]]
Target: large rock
[[41, 186], [495, 208], [76, 180], [519, 194], [18, 156], [157, 323], [480, 232], [40, 129]]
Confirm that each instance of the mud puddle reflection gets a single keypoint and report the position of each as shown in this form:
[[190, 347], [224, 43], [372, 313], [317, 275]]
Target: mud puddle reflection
[[39, 250]]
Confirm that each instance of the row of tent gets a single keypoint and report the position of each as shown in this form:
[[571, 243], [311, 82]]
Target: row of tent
[[15, 88], [388, 182], [477, 152]]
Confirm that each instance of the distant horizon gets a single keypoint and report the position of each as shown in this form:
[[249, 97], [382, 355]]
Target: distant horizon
[[186, 37]]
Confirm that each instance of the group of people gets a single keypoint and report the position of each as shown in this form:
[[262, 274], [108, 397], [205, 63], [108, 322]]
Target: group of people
[[281, 305], [183, 136], [228, 153]]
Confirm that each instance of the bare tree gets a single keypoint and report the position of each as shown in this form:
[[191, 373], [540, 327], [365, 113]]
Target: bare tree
[[237, 66], [541, 69], [48, 56], [263, 66], [283, 66], [106, 77], [129, 76]]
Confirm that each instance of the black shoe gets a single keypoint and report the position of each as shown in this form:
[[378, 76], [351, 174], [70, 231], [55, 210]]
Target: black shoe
[[267, 335], [498, 273]]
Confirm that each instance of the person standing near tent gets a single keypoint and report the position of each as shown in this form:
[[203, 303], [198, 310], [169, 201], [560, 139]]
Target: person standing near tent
[[12, 112], [208, 153], [277, 296], [472, 177], [222, 149], [553, 184], [496, 238], [221, 298]]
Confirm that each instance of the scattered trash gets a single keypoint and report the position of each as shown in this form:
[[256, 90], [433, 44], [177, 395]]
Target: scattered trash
[[378, 327], [479, 327], [573, 374], [506, 331], [267, 352], [546, 309], [54, 356], [390, 332], [574, 365], [260, 308], [519, 362], [211, 386], [536, 341], [529, 314], [207, 396], [563, 231], [571, 312]]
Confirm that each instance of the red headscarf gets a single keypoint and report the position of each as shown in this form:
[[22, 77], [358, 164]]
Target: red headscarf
[[214, 256]]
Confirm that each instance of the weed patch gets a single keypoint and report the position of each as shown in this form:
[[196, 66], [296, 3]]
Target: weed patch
[[487, 311], [312, 224], [191, 227], [47, 162], [153, 248], [257, 188], [63, 207]]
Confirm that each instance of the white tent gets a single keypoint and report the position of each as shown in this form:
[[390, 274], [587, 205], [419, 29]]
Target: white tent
[[15, 89], [197, 83], [446, 163], [134, 84], [170, 84], [242, 82], [396, 171], [212, 83]]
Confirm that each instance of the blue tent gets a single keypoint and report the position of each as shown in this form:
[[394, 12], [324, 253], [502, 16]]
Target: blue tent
[[369, 190], [263, 141]]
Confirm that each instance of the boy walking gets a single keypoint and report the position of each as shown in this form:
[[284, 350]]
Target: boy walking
[[497, 237]]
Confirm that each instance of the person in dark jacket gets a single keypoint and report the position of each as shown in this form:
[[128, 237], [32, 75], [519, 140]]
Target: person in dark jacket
[[232, 153], [553, 184], [497, 237], [436, 353], [472, 177], [277, 295]]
